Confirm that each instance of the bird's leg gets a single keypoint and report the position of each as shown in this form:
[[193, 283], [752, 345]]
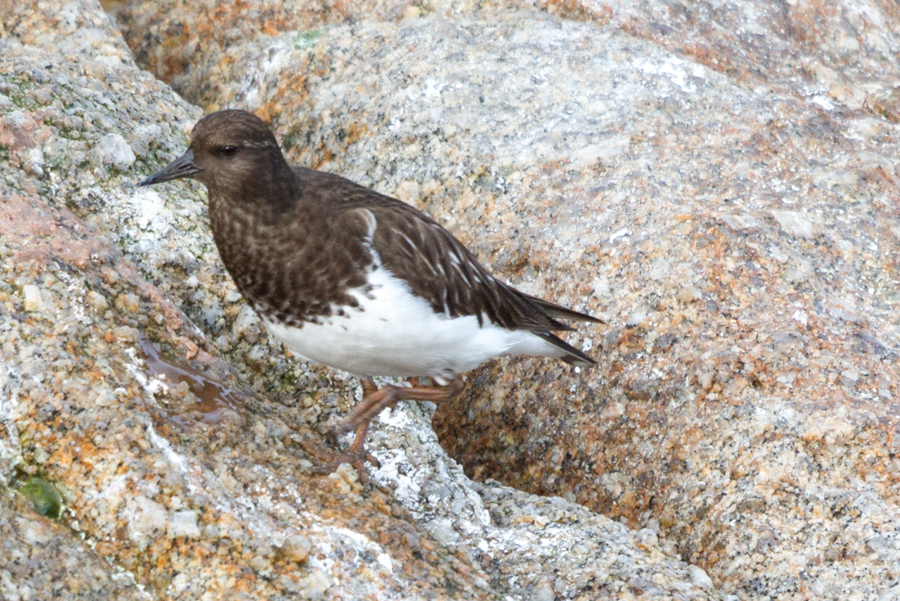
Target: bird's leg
[[374, 401]]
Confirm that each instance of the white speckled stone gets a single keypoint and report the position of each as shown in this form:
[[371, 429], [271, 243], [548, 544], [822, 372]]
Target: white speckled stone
[[32, 297], [115, 151], [183, 523], [147, 520]]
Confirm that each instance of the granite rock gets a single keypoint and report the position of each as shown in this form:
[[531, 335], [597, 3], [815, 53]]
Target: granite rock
[[733, 215], [137, 385], [40, 556], [837, 55], [200, 55]]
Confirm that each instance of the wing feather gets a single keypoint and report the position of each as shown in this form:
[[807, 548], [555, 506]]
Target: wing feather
[[442, 271]]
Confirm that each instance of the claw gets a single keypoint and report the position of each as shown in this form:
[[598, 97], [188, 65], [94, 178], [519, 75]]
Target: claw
[[356, 455]]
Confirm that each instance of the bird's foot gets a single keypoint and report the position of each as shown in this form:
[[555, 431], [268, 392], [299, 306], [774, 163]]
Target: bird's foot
[[374, 401], [356, 455]]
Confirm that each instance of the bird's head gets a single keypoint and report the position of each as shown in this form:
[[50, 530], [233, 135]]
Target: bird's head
[[235, 155]]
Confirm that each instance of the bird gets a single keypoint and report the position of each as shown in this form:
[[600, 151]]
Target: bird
[[356, 280]]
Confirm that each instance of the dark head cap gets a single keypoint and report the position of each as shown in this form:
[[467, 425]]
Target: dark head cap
[[232, 152], [232, 127]]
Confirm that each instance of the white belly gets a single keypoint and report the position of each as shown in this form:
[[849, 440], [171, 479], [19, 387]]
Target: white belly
[[395, 333]]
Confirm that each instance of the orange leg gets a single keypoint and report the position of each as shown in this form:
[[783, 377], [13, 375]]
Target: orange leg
[[374, 401]]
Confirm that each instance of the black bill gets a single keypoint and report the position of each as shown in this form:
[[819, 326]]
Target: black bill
[[183, 166]]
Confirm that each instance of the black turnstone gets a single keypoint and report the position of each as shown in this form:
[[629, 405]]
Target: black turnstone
[[356, 280]]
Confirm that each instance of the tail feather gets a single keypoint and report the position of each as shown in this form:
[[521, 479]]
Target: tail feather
[[559, 312], [572, 355]]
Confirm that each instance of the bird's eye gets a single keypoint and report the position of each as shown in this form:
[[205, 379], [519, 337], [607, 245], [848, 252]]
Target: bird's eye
[[228, 151]]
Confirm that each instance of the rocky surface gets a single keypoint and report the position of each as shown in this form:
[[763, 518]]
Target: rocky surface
[[40, 559], [138, 390], [201, 56], [731, 208], [833, 54]]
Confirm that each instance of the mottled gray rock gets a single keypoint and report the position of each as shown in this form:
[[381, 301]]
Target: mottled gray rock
[[836, 55], [741, 239], [187, 498], [39, 558], [210, 495], [532, 547]]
